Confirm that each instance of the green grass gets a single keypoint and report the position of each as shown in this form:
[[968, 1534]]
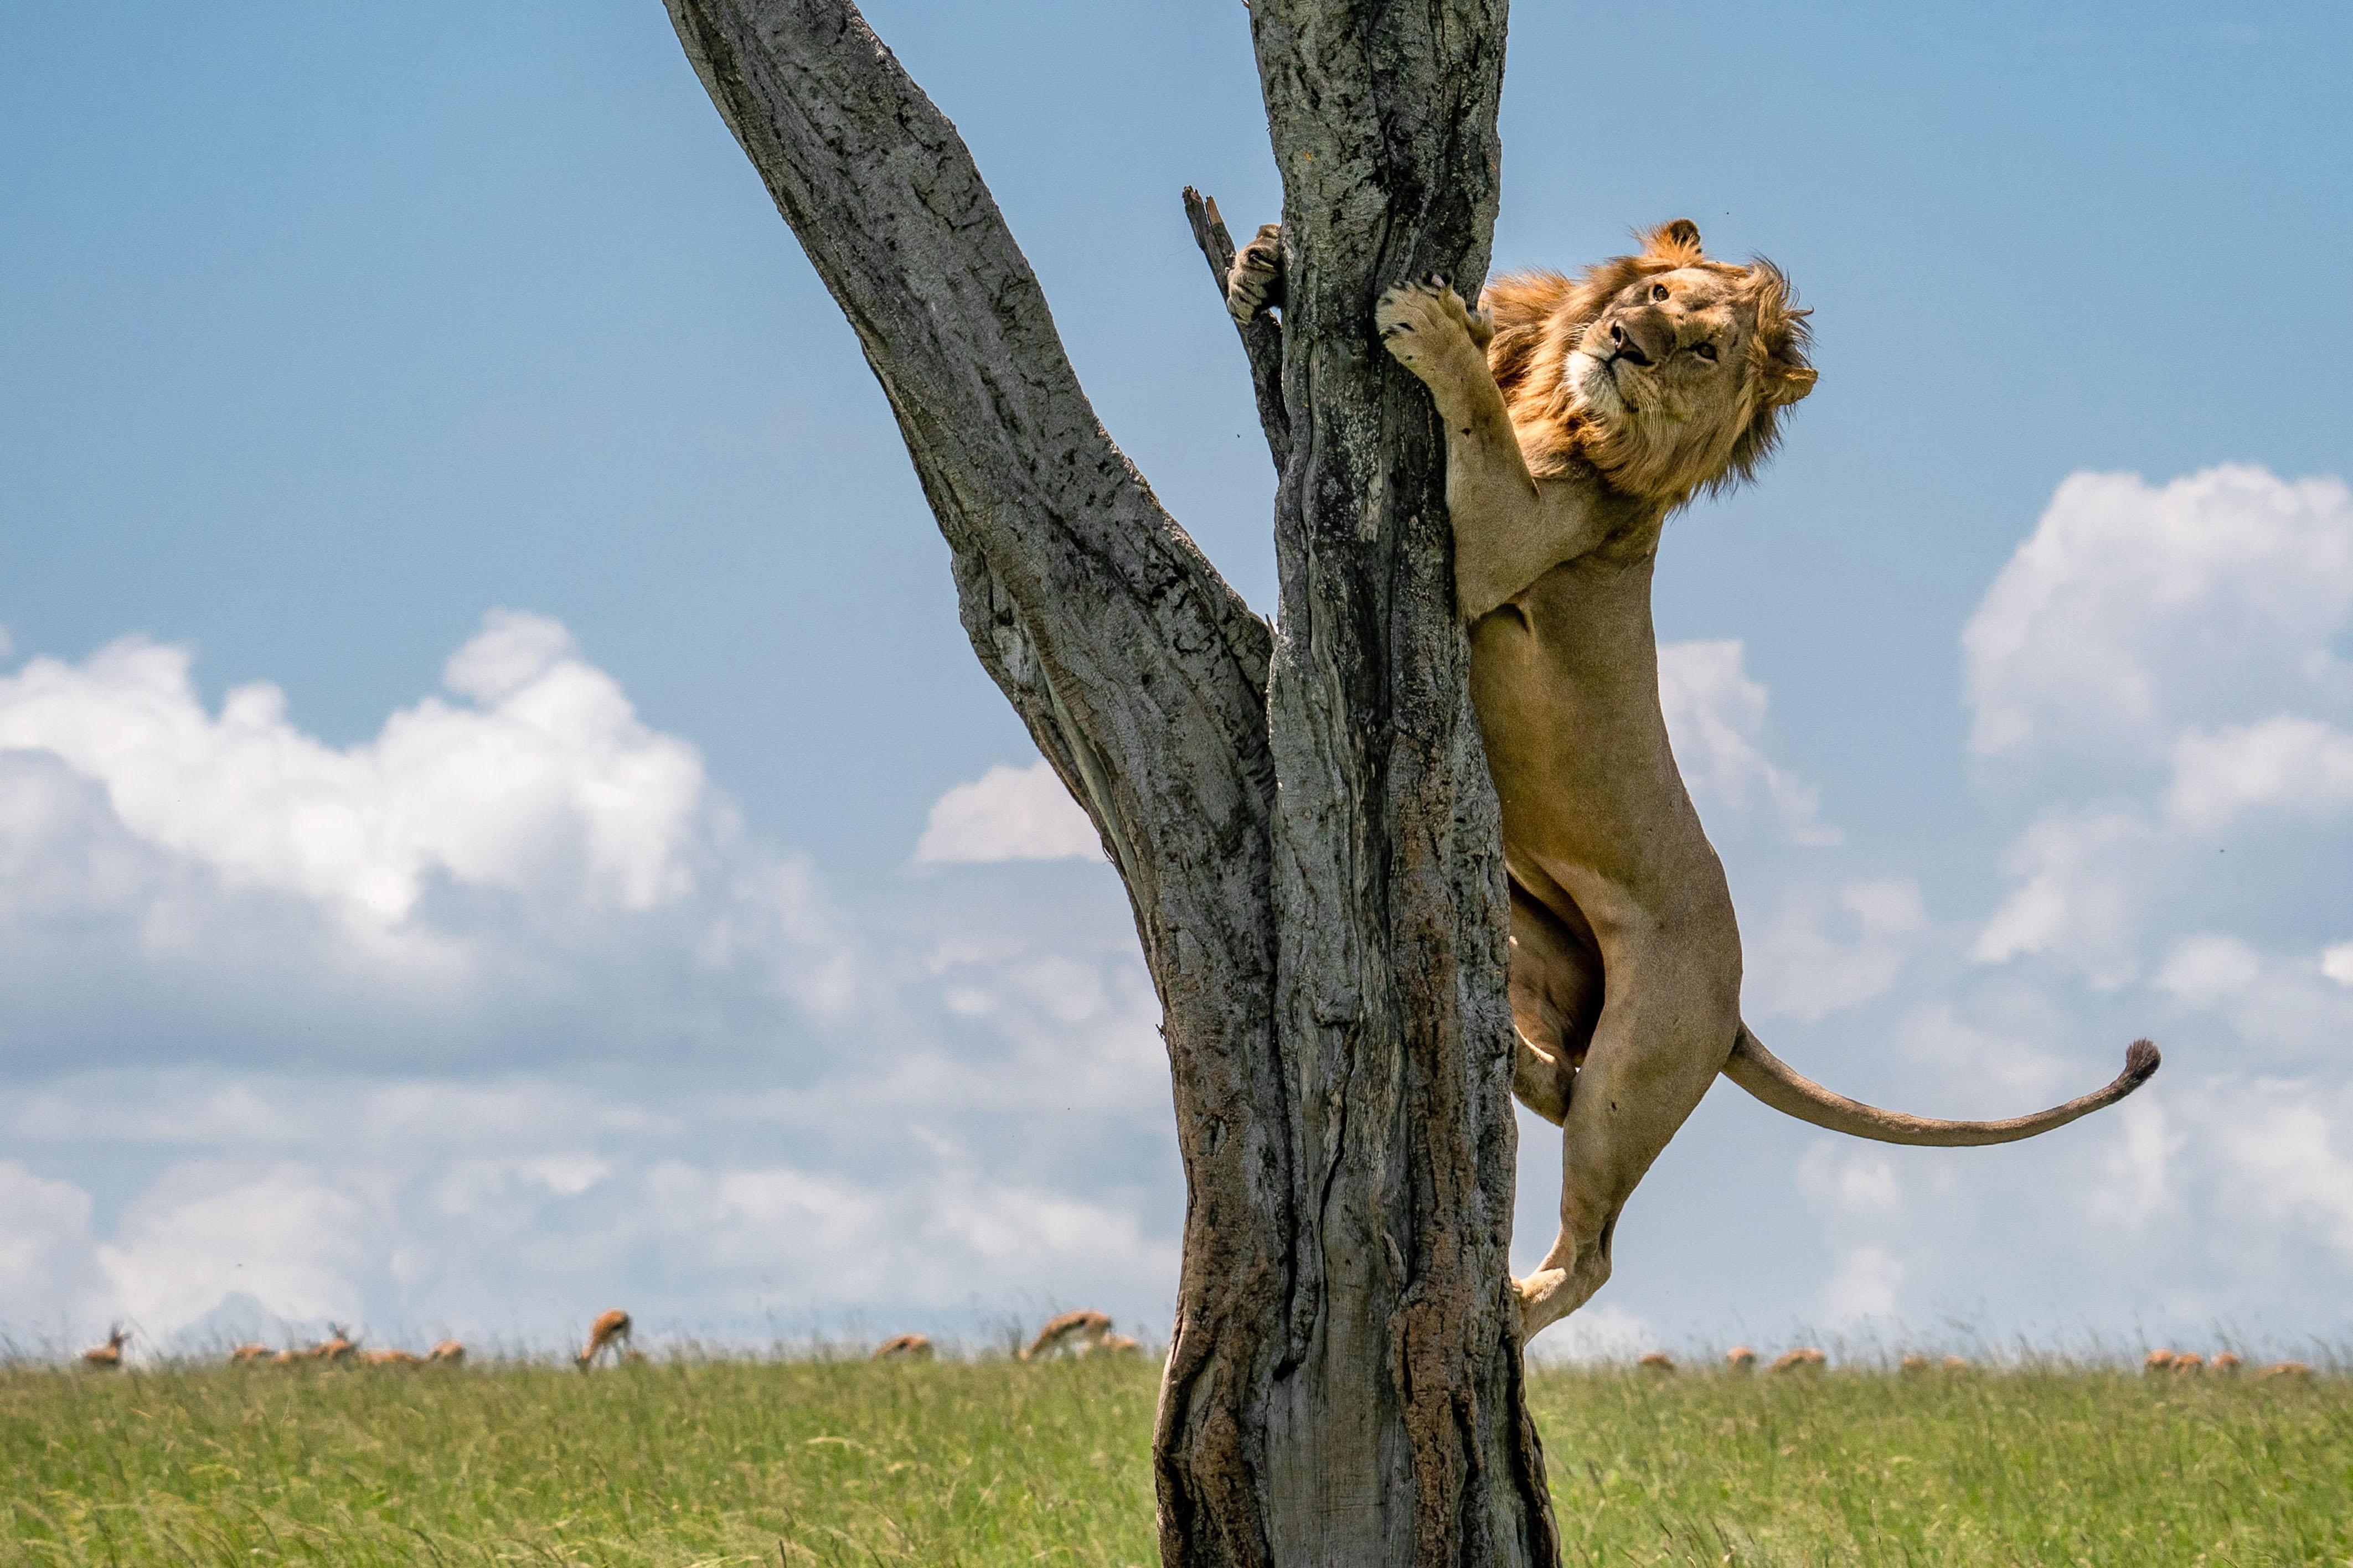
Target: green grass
[[994, 1463]]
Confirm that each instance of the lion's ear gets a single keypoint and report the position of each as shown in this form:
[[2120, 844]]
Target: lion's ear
[[1786, 384], [1676, 242]]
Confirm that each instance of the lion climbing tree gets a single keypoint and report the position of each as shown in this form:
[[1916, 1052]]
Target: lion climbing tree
[[1303, 816]]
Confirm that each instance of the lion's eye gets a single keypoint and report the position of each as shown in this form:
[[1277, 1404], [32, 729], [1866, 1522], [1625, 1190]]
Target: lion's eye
[[1705, 352], [1658, 290]]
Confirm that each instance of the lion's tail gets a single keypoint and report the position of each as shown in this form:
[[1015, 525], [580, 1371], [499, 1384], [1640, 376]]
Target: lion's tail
[[1780, 1086]]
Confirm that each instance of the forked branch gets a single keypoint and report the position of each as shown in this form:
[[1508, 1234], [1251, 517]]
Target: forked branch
[[1261, 338]]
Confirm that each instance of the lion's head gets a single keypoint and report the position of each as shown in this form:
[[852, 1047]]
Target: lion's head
[[1665, 371]]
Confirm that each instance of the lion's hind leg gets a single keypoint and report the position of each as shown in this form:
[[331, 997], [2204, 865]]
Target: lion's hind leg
[[1653, 1057], [1556, 987]]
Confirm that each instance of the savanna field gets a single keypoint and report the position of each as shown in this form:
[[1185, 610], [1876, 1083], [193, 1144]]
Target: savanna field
[[712, 1462]]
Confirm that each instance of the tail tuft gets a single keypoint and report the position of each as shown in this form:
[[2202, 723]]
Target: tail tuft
[[2141, 1061]]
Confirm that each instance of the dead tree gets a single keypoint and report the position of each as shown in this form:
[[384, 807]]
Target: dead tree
[[1302, 815]]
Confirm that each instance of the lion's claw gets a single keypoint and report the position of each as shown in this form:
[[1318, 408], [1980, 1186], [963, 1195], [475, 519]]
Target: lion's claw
[[1255, 281], [1420, 324]]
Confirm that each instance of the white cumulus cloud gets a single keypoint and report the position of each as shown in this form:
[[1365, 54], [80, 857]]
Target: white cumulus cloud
[[2136, 611], [1842, 1183], [2139, 1172], [1715, 719], [2081, 886], [1865, 1286], [1597, 1332], [2280, 1007], [2171, 657], [49, 1280], [290, 1242], [1007, 813], [1821, 952], [539, 779], [2294, 764], [2295, 1167]]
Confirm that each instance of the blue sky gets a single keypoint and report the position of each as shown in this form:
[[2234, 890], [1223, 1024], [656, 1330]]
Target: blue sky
[[617, 902]]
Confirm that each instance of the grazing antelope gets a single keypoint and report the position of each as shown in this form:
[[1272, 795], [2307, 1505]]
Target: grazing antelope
[[2289, 1371], [1740, 1358], [904, 1347], [448, 1352], [245, 1355], [1957, 1364], [1657, 1361], [2189, 1361], [2225, 1365], [108, 1357], [337, 1347], [610, 1331], [1114, 1344], [1804, 1359], [390, 1358], [1073, 1332], [2157, 1361], [1914, 1364]]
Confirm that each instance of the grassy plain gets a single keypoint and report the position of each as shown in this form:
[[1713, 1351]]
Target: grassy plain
[[842, 1463]]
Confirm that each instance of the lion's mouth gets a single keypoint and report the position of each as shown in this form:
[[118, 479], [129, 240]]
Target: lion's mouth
[[1596, 380]]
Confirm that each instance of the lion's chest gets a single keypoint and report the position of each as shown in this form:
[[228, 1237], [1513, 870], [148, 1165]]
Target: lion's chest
[[1564, 679]]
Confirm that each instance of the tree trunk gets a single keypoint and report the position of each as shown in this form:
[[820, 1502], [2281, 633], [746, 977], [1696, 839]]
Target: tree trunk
[[1304, 821]]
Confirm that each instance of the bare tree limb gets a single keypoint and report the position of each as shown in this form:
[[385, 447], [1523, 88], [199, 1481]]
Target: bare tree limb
[[1261, 337], [1140, 669]]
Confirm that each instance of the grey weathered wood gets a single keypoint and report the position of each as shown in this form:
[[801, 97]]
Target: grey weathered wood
[[1404, 1420], [1304, 822], [1261, 338]]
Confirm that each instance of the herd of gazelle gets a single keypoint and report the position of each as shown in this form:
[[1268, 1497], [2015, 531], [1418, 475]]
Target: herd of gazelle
[[1072, 1333], [1807, 1358], [1077, 1334]]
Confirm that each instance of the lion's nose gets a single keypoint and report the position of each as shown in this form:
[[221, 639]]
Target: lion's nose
[[1623, 346]]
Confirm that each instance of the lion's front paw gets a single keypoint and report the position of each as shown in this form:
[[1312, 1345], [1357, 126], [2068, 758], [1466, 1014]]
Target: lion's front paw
[[1255, 281], [1429, 329]]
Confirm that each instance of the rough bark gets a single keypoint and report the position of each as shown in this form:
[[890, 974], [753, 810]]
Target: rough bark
[[1303, 823]]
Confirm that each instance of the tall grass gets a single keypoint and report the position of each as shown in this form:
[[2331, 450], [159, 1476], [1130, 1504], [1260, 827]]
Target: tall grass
[[842, 1463]]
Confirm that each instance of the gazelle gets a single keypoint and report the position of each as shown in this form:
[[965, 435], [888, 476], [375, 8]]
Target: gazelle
[[1074, 1333], [108, 1357], [1740, 1358], [1804, 1359], [337, 1347], [390, 1358], [610, 1331], [245, 1355], [904, 1347], [1657, 1361], [448, 1352]]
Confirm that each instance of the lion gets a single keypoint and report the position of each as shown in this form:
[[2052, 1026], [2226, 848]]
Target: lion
[[1579, 414]]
